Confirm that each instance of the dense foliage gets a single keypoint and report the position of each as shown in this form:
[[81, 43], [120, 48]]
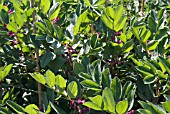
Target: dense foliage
[[85, 56]]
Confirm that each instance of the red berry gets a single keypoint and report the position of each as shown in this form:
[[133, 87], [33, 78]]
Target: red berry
[[119, 33], [80, 101], [98, 33], [10, 11], [119, 41], [113, 38]]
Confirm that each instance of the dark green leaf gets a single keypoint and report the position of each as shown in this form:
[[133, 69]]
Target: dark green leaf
[[106, 78], [116, 88], [17, 108], [46, 58]]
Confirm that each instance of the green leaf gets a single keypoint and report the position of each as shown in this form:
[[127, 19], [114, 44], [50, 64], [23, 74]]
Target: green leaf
[[57, 109], [80, 19], [144, 70], [50, 78], [38, 77], [17, 108], [78, 67], [152, 45], [45, 5], [116, 88], [4, 72], [87, 2], [19, 19], [72, 89], [107, 21], [152, 24], [59, 32], [149, 79], [165, 63], [108, 99], [90, 84], [84, 76], [166, 105], [54, 11], [106, 78], [5, 111], [151, 107], [97, 100], [126, 88], [46, 58], [161, 74], [122, 106], [96, 103], [100, 2], [120, 24], [4, 16], [143, 111], [12, 27], [145, 35], [128, 46], [31, 109], [60, 83], [92, 105], [41, 26], [93, 40]]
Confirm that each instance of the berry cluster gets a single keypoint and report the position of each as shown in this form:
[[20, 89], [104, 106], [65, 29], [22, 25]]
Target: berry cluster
[[76, 105], [114, 37]]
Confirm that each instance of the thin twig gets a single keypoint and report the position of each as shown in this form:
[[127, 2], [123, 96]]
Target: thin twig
[[37, 58]]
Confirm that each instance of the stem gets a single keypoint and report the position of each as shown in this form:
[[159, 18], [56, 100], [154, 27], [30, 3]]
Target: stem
[[37, 58], [157, 90], [70, 58], [143, 6], [92, 29]]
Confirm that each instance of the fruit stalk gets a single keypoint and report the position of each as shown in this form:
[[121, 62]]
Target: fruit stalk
[[32, 2]]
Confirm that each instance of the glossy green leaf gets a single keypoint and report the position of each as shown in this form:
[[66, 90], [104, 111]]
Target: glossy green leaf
[[17, 108], [143, 111], [19, 19], [85, 76], [60, 83], [96, 103], [50, 78], [149, 79], [12, 27], [92, 105], [90, 84], [41, 26], [78, 67], [4, 17], [165, 63], [72, 89], [144, 70], [152, 24], [80, 19], [57, 109], [5, 111], [116, 88], [128, 46], [93, 40], [46, 58], [5, 71], [120, 24], [122, 106], [106, 78], [107, 21], [152, 45], [100, 2], [87, 2], [31, 109], [161, 74], [108, 100], [54, 11], [45, 5], [166, 105], [38, 77]]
